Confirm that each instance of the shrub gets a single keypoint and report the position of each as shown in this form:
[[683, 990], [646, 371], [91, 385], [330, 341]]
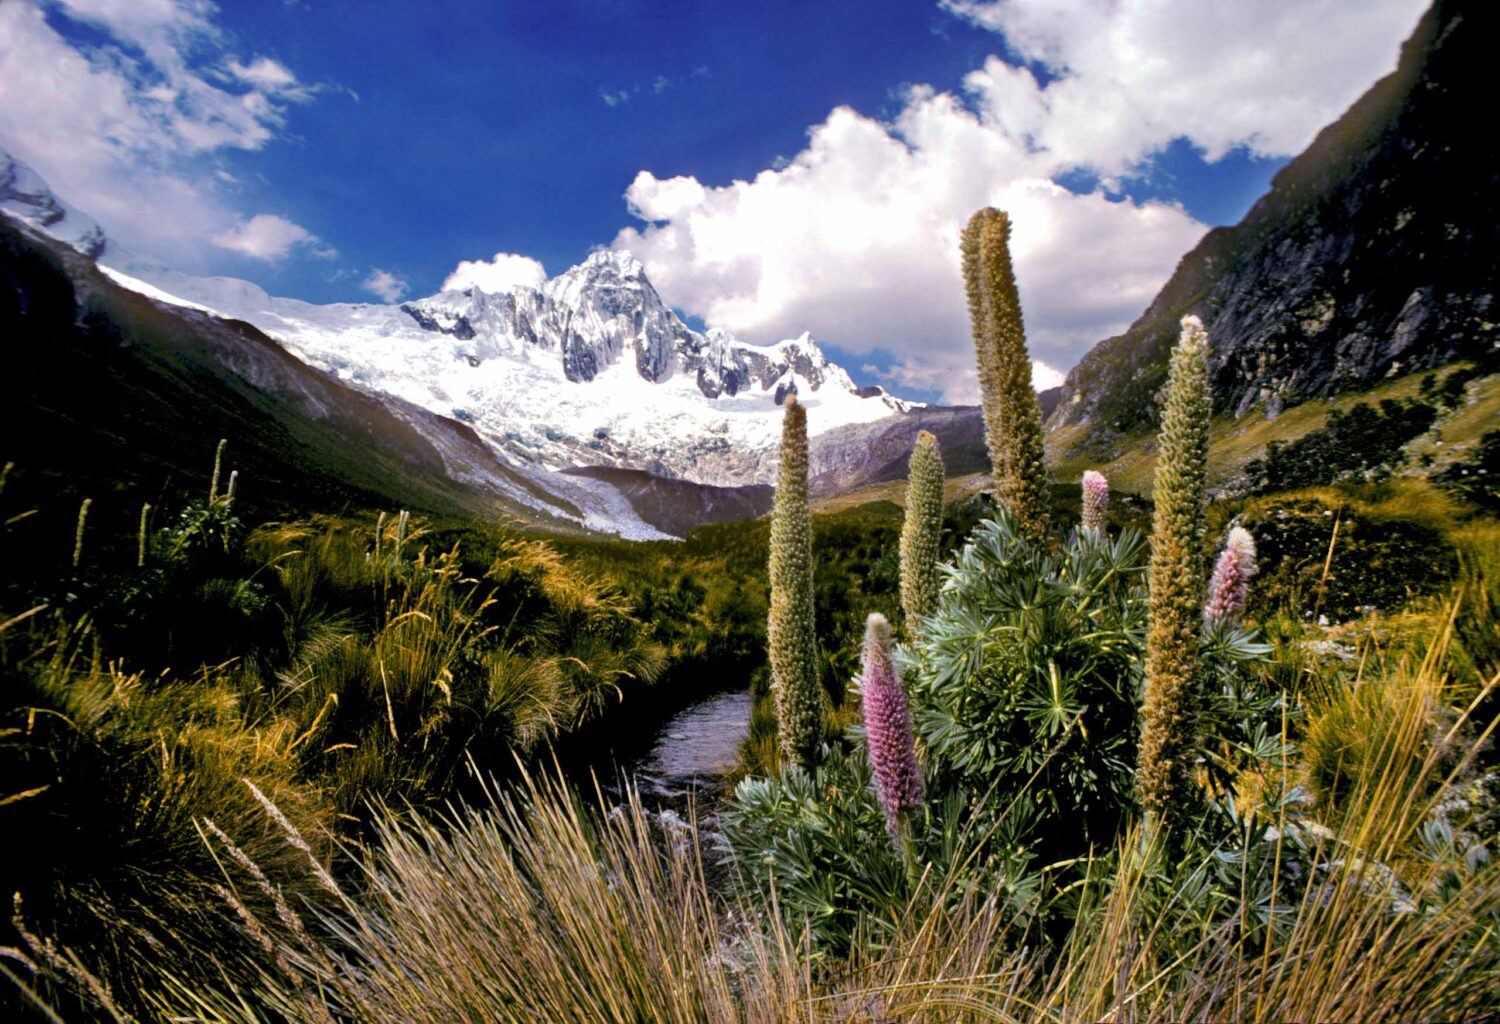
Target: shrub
[[1024, 683], [1362, 443]]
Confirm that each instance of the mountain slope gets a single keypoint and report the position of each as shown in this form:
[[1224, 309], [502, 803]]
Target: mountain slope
[[589, 369], [596, 400], [1372, 255], [106, 389]]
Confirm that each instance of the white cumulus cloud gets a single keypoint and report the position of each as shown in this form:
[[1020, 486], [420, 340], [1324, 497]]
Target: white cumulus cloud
[[384, 284], [1132, 75], [501, 273], [856, 236], [127, 127], [856, 239], [268, 237]]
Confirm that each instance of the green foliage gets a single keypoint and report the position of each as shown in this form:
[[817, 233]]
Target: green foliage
[[1012, 420], [790, 634], [1177, 580], [815, 840], [922, 531], [334, 666], [1361, 443], [1377, 561], [109, 778], [1477, 478], [1024, 682]]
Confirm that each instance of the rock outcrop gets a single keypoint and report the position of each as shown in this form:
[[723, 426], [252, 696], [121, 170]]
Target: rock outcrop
[[1373, 254]]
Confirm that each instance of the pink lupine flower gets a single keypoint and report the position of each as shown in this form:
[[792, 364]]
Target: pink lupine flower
[[888, 731], [1229, 587], [1095, 499]]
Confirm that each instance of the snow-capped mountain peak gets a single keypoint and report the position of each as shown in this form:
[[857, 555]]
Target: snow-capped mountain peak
[[591, 368], [25, 196]]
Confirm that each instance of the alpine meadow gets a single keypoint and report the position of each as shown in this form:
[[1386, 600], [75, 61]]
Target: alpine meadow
[[786, 608]]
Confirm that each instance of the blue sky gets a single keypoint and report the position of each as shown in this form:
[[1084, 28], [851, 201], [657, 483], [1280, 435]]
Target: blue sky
[[779, 167]]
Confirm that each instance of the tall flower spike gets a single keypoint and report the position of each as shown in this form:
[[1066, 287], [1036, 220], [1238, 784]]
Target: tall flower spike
[[1095, 500], [1229, 587], [888, 731], [83, 519], [790, 636], [213, 483], [1012, 419], [922, 532], [1174, 615], [140, 556]]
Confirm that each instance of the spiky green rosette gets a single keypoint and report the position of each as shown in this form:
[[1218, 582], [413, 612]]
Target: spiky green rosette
[[1175, 613], [922, 531], [1012, 419], [791, 640]]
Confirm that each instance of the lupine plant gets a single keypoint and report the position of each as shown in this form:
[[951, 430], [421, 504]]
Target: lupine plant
[[790, 632], [922, 531], [1095, 499], [888, 737], [1229, 587], [1012, 420], [1176, 582], [1024, 682]]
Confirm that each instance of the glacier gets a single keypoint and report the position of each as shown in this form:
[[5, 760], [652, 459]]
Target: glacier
[[590, 369]]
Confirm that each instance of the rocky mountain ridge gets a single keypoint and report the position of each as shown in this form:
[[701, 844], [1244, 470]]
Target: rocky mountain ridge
[[590, 369], [1372, 255]]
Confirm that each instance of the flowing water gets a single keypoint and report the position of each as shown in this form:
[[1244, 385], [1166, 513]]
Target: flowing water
[[689, 753]]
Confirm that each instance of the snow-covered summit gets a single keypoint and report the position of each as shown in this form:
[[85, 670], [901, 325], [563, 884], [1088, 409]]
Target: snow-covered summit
[[591, 368], [25, 196]]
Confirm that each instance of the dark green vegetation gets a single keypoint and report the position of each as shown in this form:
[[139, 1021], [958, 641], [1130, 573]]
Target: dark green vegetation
[[1477, 479], [1314, 749], [1363, 443], [339, 663]]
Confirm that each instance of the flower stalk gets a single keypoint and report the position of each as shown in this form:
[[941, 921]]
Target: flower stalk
[[889, 738], [1229, 587], [922, 532], [790, 633], [1012, 419], [1095, 500], [1175, 607]]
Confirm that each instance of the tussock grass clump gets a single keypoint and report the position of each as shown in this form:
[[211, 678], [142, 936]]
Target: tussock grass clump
[[327, 664]]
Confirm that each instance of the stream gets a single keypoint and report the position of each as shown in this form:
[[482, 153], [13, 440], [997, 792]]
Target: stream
[[688, 754]]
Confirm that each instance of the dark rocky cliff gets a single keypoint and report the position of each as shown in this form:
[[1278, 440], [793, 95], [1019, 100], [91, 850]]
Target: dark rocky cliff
[[1374, 253]]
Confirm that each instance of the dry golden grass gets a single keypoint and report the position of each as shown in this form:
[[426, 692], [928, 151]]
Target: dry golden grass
[[534, 908]]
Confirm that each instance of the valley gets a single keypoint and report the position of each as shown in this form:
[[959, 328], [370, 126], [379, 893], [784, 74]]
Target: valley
[[535, 649]]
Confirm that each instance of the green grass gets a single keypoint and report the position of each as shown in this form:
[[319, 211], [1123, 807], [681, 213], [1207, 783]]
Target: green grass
[[1235, 442], [242, 771]]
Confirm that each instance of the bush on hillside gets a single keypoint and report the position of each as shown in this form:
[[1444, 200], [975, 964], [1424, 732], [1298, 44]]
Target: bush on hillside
[[1363, 444]]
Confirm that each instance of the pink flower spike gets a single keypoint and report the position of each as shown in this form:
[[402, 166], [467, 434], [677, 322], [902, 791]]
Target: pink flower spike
[[888, 731], [1229, 588], [1095, 500]]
